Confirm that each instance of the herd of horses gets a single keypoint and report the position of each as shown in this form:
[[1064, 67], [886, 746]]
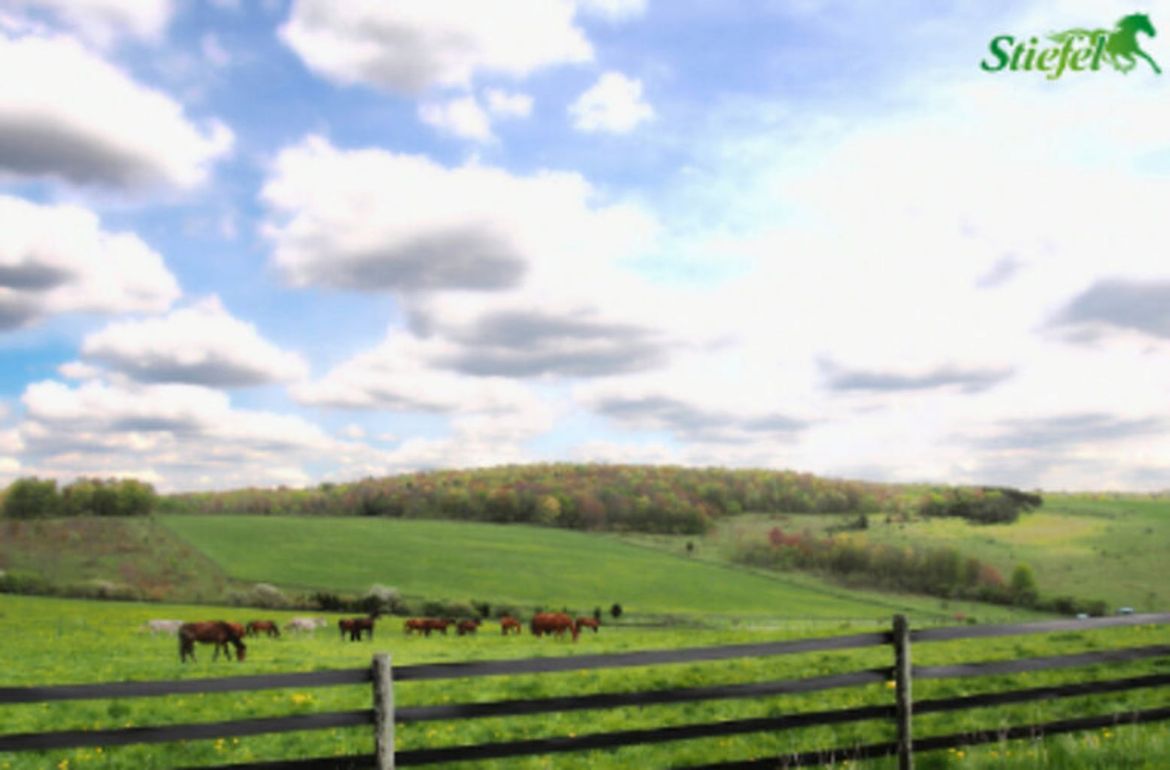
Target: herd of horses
[[222, 633]]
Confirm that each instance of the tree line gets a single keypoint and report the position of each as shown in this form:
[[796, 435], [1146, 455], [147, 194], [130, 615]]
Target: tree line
[[36, 498], [640, 498], [944, 572]]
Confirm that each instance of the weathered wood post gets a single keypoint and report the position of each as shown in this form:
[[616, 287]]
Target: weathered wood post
[[902, 695], [384, 711]]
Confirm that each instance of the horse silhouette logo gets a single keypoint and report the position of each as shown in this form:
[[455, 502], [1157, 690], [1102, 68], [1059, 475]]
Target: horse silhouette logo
[[1077, 49], [1121, 47]]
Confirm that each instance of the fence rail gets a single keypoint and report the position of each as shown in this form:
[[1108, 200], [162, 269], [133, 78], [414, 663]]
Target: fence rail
[[383, 716]]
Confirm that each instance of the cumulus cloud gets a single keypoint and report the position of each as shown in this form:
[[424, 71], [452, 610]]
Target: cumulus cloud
[[409, 47], [461, 116], [614, 10], [508, 104], [613, 105], [187, 436], [527, 342], [397, 376], [1118, 305], [58, 259], [967, 380], [104, 22], [202, 345], [374, 220], [693, 422], [1070, 430], [56, 121]]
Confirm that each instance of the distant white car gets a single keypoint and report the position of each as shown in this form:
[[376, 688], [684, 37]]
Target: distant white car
[[1125, 611]]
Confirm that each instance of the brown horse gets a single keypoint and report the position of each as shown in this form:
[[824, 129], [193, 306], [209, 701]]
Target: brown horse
[[586, 622], [465, 627], [355, 627], [509, 624], [553, 623], [267, 626], [215, 632], [426, 625]]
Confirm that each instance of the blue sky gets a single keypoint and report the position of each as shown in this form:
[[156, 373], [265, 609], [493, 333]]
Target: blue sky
[[259, 243]]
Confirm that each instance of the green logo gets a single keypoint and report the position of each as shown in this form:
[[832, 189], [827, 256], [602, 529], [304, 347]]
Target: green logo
[[1077, 50]]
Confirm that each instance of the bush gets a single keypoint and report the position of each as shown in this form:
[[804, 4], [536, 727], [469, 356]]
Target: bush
[[24, 583], [265, 595], [381, 599]]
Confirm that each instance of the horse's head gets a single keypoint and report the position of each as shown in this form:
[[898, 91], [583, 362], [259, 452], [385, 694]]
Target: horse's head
[[1137, 22], [241, 650]]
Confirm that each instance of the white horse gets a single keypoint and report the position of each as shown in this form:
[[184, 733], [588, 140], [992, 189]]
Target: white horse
[[156, 627], [304, 624]]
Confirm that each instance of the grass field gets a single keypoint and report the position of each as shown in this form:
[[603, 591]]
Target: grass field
[[1083, 546], [522, 565], [58, 641]]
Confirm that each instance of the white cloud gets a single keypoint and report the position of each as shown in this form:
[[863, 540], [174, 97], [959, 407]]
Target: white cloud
[[104, 22], [410, 47], [461, 116], [614, 105], [183, 435], [202, 344], [57, 121], [374, 220], [508, 104], [614, 10], [396, 376], [58, 259]]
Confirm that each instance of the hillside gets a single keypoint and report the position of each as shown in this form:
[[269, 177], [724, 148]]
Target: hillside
[[515, 564], [1103, 547]]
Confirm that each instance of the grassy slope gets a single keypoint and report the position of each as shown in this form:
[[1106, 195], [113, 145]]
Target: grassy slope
[[1077, 545], [134, 552], [526, 565]]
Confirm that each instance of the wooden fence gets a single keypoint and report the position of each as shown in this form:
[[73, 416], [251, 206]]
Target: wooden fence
[[384, 716]]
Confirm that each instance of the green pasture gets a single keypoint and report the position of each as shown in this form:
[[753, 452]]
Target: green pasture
[[56, 641], [528, 566], [1090, 547]]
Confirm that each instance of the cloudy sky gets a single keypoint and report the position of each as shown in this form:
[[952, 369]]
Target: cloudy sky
[[259, 243]]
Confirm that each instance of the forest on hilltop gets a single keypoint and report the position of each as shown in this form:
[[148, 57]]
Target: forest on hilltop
[[635, 498]]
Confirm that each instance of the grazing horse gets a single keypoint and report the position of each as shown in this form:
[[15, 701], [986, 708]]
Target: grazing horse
[[465, 627], [585, 622], [267, 626], [553, 623], [426, 625], [215, 632], [509, 624], [356, 627]]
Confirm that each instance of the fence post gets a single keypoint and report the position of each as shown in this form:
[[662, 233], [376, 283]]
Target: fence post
[[902, 695], [383, 711]]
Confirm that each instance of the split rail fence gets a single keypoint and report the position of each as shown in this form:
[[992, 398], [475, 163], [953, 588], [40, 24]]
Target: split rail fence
[[383, 716]]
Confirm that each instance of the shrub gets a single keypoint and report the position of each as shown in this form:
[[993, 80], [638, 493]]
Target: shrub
[[266, 595]]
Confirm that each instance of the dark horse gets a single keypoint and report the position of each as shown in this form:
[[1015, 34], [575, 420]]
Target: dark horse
[[355, 627], [215, 632]]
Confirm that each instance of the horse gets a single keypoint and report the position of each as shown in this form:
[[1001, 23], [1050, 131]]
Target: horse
[[465, 627], [509, 624], [156, 627], [357, 626], [304, 624], [586, 622], [215, 632], [267, 626], [553, 623], [426, 625], [1121, 47]]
